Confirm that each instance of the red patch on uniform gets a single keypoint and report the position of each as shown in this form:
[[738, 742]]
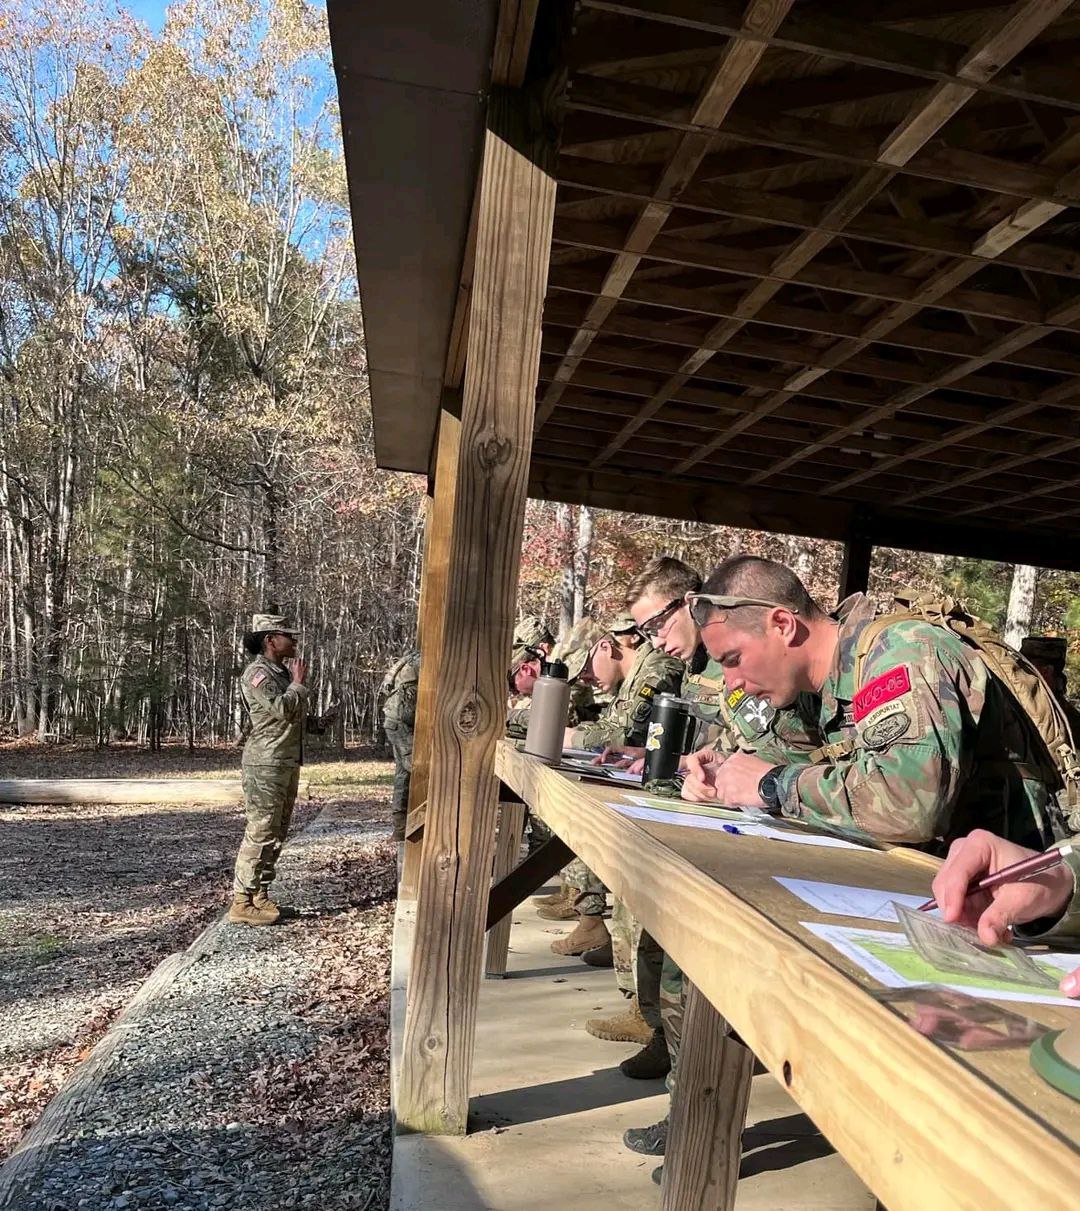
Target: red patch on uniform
[[882, 689], [258, 679]]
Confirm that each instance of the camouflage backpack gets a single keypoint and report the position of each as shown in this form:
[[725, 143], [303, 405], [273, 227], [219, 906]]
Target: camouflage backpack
[[1012, 670]]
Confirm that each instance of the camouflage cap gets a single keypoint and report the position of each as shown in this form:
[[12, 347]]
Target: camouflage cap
[[574, 651], [1046, 649], [529, 634], [623, 624], [263, 624]]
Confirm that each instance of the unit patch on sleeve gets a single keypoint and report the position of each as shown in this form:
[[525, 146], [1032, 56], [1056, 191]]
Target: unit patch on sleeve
[[646, 691], [258, 678], [884, 724], [883, 689]]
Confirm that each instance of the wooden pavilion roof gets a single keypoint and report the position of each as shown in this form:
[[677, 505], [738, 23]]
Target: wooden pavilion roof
[[811, 271]]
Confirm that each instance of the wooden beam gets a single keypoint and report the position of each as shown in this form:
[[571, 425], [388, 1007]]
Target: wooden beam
[[507, 851], [517, 199], [431, 625], [822, 140], [708, 1112], [526, 877], [723, 84], [858, 556], [874, 45]]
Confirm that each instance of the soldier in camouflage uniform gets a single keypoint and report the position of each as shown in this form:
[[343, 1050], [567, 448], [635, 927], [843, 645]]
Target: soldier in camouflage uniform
[[919, 748], [274, 693], [398, 691], [634, 673]]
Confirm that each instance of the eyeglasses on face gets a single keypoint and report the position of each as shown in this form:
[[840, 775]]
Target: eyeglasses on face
[[702, 605], [654, 624]]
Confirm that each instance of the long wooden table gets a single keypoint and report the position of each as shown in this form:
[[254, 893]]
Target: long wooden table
[[923, 1125]]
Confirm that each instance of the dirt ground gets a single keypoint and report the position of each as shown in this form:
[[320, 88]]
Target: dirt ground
[[93, 897]]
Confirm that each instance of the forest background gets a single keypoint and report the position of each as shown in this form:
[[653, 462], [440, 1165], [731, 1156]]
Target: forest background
[[185, 427]]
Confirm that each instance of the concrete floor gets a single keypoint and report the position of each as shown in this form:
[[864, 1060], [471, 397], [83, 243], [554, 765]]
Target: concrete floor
[[549, 1107]]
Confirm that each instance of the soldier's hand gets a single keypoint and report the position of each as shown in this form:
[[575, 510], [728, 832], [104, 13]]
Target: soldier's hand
[[699, 782], [736, 781], [298, 669], [622, 756], [993, 913]]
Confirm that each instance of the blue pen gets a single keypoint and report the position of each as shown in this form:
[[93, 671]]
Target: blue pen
[[730, 828]]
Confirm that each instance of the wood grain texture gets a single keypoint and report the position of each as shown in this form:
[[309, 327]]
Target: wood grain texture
[[507, 850], [513, 241], [701, 1162], [926, 1128], [431, 624]]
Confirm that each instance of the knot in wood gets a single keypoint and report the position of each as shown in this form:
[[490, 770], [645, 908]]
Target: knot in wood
[[469, 717], [492, 450]]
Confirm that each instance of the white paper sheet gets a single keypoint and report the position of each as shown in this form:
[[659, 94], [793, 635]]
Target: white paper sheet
[[747, 829], [867, 903], [891, 960]]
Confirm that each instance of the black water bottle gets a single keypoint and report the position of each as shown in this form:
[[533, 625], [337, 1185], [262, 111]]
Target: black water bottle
[[665, 741]]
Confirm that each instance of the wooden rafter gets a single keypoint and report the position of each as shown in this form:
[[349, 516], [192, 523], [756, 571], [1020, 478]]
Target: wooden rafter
[[724, 82]]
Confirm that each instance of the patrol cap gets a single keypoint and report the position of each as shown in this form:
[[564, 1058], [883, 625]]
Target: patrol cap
[[577, 648], [1046, 649], [529, 634], [623, 624], [264, 624]]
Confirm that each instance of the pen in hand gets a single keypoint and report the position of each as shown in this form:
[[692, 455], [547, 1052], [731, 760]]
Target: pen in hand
[[1026, 868]]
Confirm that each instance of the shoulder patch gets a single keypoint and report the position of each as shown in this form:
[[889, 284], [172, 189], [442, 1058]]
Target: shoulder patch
[[646, 691], [735, 697], [258, 678], [758, 713], [882, 689]]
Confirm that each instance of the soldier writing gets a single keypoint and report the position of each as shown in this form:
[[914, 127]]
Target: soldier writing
[[276, 697]]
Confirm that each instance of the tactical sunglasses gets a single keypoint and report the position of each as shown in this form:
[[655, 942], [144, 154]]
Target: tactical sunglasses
[[654, 624], [702, 605]]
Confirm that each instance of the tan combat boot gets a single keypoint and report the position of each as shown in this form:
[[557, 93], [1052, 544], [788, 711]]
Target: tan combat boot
[[562, 911], [590, 933], [261, 901], [629, 1027], [243, 912], [555, 898]]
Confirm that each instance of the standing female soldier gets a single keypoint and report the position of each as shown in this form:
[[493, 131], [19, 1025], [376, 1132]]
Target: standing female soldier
[[276, 698]]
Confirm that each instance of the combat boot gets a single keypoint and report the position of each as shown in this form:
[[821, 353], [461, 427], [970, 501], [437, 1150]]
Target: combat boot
[[243, 912], [556, 897], [651, 1062], [600, 956], [261, 901], [590, 933], [562, 911], [629, 1027], [649, 1141]]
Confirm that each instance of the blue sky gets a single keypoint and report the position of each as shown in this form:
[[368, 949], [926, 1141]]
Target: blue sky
[[150, 11]]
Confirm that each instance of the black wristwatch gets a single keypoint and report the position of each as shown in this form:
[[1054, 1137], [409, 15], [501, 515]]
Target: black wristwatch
[[769, 789]]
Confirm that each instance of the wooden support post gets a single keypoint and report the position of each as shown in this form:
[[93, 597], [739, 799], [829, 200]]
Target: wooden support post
[[513, 245], [507, 851], [858, 552], [430, 626], [701, 1164]]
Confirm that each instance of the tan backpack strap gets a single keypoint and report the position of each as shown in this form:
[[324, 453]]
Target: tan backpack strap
[[870, 635], [834, 751]]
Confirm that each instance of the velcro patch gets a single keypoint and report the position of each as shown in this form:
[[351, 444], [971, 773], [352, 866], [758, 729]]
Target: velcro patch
[[646, 691], [757, 711], [735, 697], [882, 689], [259, 678], [885, 724]]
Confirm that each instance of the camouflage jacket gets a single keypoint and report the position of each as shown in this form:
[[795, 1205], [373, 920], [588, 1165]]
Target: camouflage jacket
[[583, 709], [626, 719], [925, 748], [400, 686], [277, 706]]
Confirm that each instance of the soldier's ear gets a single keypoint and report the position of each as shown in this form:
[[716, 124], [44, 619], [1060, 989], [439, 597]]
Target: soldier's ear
[[785, 623]]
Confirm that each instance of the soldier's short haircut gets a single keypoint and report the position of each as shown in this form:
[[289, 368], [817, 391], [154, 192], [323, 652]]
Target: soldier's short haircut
[[253, 642], [749, 576], [665, 576]]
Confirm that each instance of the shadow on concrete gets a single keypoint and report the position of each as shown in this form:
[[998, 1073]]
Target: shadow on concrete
[[781, 1144], [530, 1103]]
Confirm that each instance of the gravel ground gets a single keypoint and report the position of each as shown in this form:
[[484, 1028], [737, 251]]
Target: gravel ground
[[260, 1078]]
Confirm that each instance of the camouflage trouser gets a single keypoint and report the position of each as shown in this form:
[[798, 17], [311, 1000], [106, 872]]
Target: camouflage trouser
[[539, 833], [637, 962], [269, 795], [400, 737], [672, 1008], [624, 935], [592, 894]]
